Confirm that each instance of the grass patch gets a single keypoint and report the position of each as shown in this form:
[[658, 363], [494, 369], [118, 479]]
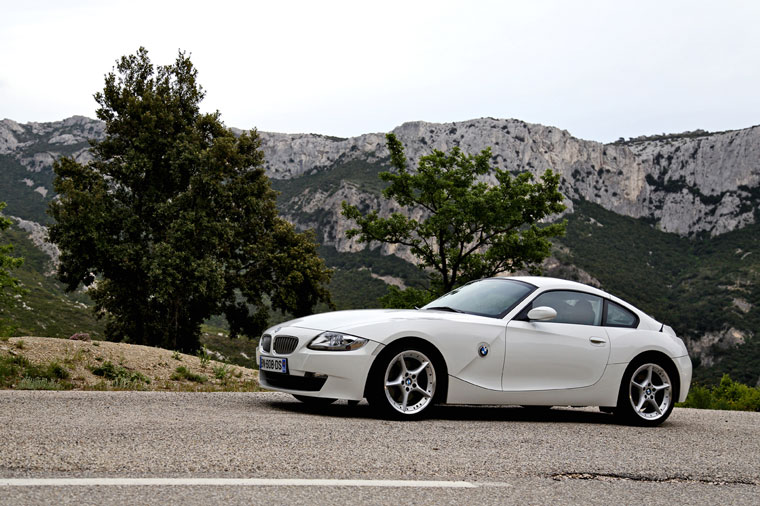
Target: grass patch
[[120, 378], [183, 373], [38, 384], [16, 371]]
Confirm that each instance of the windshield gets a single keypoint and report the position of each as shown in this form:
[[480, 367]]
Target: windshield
[[487, 297]]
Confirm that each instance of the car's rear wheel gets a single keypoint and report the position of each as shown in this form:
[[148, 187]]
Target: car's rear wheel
[[314, 401], [404, 383], [646, 394]]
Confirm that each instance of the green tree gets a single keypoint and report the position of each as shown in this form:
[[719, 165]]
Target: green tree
[[9, 286], [174, 220], [468, 229]]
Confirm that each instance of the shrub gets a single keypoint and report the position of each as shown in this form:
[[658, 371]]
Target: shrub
[[56, 370], [729, 394], [221, 371], [106, 369], [203, 356]]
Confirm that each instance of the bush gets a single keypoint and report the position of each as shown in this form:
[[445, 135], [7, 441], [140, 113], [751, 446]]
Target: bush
[[221, 371], [729, 394], [106, 370], [56, 370]]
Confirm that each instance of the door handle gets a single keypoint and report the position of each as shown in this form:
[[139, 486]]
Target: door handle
[[597, 340]]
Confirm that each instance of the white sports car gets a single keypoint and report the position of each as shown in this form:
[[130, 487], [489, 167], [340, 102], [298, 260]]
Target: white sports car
[[530, 341]]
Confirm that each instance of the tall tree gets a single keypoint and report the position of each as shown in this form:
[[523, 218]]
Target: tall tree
[[9, 286], [470, 229], [174, 219]]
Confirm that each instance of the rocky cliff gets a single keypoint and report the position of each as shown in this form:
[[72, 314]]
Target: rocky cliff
[[684, 184], [690, 184]]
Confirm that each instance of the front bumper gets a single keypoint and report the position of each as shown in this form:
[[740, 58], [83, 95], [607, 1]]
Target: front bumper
[[316, 373]]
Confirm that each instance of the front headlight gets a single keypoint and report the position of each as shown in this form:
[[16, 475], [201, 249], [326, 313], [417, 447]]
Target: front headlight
[[336, 341]]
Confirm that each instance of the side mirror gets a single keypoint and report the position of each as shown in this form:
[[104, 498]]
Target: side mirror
[[542, 314]]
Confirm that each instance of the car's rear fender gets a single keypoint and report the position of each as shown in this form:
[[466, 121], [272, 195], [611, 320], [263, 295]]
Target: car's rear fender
[[626, 344]]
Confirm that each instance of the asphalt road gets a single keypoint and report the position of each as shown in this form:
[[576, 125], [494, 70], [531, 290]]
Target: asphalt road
[[503, 455]]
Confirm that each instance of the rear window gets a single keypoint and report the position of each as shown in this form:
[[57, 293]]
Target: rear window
[[618, 316]]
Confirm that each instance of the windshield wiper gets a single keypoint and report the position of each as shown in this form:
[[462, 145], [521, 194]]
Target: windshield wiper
[[445, 308]]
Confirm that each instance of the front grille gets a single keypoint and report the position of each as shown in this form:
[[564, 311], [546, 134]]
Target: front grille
[[288, 382], [285, 344], [266, 342]]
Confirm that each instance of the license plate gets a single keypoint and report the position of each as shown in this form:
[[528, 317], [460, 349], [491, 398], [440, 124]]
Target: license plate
[[272, 364]]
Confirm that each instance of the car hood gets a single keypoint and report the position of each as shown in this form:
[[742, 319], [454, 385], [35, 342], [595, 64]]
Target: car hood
[[341, 320], [346, 320]]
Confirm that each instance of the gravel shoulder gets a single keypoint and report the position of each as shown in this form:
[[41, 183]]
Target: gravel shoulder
[[157, 365]]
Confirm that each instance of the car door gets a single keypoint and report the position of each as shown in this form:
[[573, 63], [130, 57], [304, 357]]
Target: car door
[[570, 351]]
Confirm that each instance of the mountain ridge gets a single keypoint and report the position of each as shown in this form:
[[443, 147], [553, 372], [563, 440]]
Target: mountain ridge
[[686, 185]]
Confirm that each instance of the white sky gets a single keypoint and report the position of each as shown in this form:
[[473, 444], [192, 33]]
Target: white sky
[[600, 69]]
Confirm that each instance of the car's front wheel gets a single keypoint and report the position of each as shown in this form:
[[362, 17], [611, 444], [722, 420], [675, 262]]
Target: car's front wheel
[[404, 383], [646, 394]]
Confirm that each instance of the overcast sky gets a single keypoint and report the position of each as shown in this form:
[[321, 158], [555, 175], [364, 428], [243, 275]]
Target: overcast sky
[[600, 69]]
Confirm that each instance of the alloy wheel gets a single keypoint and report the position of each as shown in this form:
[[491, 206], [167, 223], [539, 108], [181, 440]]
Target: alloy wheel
[[650, 392], [409, 382]]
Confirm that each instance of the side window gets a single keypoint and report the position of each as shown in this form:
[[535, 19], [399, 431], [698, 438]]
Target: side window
[[572, 307], [618, 316]]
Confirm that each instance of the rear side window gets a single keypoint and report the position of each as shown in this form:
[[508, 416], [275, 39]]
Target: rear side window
[[618, 316]]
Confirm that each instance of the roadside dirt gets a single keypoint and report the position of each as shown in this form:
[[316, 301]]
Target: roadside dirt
[[158, 366]]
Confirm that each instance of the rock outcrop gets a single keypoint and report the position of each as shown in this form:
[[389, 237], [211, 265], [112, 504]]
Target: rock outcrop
[[689, 184]]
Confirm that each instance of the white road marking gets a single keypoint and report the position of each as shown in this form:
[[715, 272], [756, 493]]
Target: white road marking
[[226, 482]]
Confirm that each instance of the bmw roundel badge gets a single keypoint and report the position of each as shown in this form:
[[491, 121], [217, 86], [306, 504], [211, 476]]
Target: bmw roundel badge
[[483, 350]]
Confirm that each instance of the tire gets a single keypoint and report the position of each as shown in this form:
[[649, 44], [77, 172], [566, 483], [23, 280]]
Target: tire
[[314, 401], [405, 383], [646, 395]]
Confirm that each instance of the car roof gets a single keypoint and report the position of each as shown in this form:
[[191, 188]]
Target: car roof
[[556, 283], [547, 283]]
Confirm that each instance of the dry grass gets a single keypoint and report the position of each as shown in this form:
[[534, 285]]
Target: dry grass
[[137, 367]]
